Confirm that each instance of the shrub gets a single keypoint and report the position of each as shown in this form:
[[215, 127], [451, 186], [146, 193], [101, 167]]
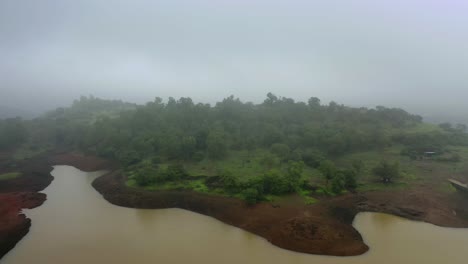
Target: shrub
[[251, 196], [176, 172]]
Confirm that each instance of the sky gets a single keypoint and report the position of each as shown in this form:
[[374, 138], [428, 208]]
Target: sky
[[403, 53]]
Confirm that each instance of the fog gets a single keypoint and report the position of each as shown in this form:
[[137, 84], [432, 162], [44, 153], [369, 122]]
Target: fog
[[402, 53]]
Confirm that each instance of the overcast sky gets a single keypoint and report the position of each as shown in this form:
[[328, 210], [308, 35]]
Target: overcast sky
[[405, 53]]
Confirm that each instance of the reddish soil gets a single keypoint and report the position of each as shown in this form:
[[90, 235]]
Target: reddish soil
[[18, 193], [323, 228], [13, 224]]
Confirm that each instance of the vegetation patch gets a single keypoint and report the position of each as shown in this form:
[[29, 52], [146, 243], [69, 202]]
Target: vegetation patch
[[10, 175]]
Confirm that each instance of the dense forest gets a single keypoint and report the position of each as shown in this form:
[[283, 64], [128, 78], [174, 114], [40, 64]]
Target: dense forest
[[251, 150]]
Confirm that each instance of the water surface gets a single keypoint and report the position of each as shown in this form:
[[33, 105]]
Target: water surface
[[76, 225]]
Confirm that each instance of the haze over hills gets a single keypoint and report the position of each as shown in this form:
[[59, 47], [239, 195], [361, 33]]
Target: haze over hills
[[9, 112], [407, 54]]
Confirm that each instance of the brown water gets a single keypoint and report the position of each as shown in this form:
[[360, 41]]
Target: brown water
[[76, 225]]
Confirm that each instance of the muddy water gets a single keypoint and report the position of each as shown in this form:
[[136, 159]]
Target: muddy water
[[76, 225]]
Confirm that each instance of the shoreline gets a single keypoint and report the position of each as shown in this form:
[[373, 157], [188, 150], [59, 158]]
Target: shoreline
[[324, 228], [17, 194]]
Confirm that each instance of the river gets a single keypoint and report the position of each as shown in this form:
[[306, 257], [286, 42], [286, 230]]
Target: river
[[76, 225]]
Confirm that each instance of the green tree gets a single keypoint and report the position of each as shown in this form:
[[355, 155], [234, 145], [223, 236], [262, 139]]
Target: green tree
[[176, 172], [338, 183], [294, 174], [275, 183], [313, 157], [357, 166], [386, 171], [229, 181], [188, 147], [314, 103], [217, 146], [349, 179], [146, 173], [251, 196], [12, 133], [328, 170], [280, 150], [269, 161]]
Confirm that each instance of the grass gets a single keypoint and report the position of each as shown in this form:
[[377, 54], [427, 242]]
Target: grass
[[305, 194], [377, 186], [240, 163], [310, 200], [10, 175], [245, 167], [195, 185]]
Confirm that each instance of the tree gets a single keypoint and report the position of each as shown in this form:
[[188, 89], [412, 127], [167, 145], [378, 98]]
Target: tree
[[349, 179], [128, 157], [294, 173], [271, 99], [12, 133], [176, 172], [280, 150], [188, 147], [338, 183], [314, 103], [229, 181], [328, 170], [217, 147], [251, 196], [275, 183], [386, 172], [357, 166], [313, 157], [268, 160], [146, 174]]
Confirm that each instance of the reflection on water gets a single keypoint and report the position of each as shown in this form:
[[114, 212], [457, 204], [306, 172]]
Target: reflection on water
[[76, 225]]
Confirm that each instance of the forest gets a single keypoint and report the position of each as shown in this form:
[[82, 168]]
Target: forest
[[255, 152]]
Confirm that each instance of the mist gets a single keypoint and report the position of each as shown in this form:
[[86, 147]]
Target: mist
[[409, 54]]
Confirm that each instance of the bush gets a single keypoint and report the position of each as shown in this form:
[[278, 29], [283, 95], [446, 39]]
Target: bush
[[386, 171], [176, 172], [251, 196], [350, 182], [229, 181], [128, 157], [313, 158], [338, 183], [145, 177], [274, 183]]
